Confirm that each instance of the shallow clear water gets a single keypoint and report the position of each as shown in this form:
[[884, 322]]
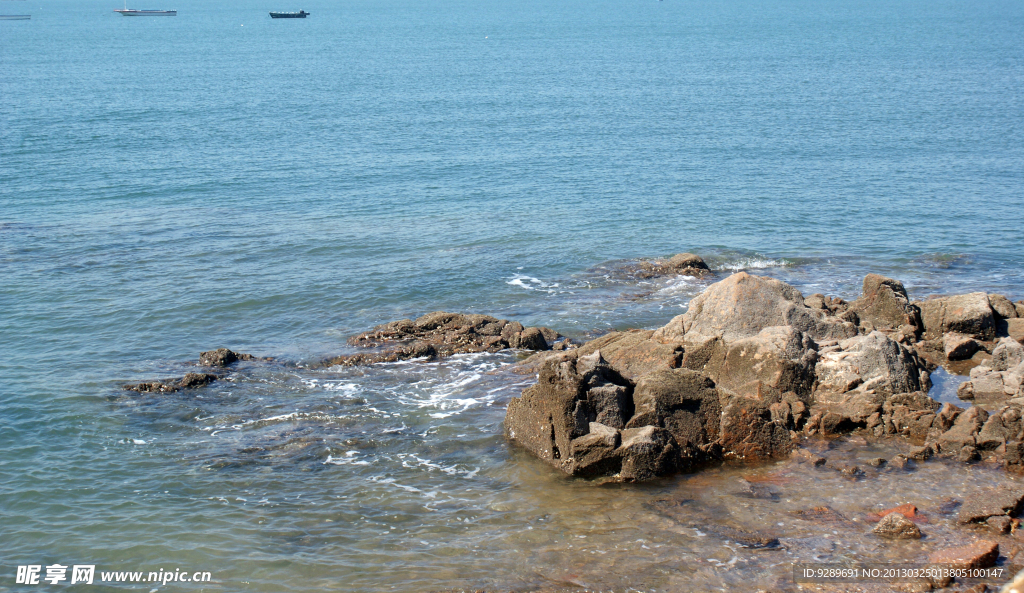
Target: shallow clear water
[[221, 179]]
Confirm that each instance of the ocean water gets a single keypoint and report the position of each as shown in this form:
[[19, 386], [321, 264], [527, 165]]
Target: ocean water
[[172, 185]]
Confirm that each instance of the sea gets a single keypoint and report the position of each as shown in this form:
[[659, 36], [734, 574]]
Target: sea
[[170, 185]]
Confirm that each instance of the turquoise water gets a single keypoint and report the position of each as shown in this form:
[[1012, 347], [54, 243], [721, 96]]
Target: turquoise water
[[171, 185]]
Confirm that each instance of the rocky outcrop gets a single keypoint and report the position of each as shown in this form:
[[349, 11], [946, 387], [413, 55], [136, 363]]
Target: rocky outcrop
[[670, 420], [442, 334], [752, 364]]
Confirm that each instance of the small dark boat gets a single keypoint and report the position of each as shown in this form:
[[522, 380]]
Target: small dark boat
[[289, 15], [134, 12], [15, 17]]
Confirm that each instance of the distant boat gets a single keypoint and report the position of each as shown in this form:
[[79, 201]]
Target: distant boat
[[133, 12], [289, 15], [15, 17]]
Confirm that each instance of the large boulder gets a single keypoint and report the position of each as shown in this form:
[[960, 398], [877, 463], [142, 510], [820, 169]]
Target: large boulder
[[968, 314], [742, 305], [780, 357], [884, 304], [872, 361]]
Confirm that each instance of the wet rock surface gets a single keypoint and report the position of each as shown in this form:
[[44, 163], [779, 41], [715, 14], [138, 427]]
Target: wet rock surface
[[442, 334], [896, 526]]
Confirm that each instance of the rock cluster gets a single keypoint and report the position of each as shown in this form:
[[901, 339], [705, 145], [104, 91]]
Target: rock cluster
[[753, 364], [221, 357], [441, 334]]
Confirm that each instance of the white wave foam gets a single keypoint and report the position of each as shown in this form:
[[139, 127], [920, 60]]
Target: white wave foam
[[754, 263], [451, 470], [530, 283], [348, 459]]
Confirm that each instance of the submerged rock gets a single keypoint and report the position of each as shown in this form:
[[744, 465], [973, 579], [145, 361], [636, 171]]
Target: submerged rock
[[441, 334], [681, 264], [980, 554], [991, 503], [189, 381], [896, 526], [222, 357]]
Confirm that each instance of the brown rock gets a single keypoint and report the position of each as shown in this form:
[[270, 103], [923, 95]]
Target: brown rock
[[742, 305], [822, 514], [968, 454], [901, 462], [595, 453], [896, 526], [884, 304], [530, 338], [966, 426], [748, 432], [193, 380], [780, 357], [552, 412], [441, 334], [222, 357], [992, 434], [873, 360], [999, 524], [633, 354], [1007, 354], [808, 456], [684, 402], [968, 314], [922, 453], [1013, 328], [980, 554], [686, 264], [990, 503], [908, 511], [647, 452], [958, 346], [1002, 306], [189, 381]]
